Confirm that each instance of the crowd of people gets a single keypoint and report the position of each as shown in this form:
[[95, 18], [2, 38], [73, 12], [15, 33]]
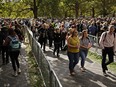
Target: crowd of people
[[69, 35], [73, 33], [11, 37]]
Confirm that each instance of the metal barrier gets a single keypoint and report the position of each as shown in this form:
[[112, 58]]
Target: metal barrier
[[95, 41], [95, 46], [48, 74]]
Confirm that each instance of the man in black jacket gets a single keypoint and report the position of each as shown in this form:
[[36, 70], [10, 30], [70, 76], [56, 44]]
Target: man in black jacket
[[57, 41], [43, 35]]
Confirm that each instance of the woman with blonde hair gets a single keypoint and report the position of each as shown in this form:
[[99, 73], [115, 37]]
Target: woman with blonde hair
[[73, 50]]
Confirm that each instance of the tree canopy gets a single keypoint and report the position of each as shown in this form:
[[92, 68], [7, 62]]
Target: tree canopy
[[57, 8]]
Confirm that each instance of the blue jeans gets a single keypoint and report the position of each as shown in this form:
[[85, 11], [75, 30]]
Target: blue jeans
[[73, 60], [83, 55]]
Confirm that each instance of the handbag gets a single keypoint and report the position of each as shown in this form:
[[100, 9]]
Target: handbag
[[65, 47]]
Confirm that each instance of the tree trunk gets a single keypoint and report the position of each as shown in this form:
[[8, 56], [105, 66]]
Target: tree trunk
[[114, 14], [65, 15], [104, 13], [81, 14], [93, 12], [35, 9], [76, 9]]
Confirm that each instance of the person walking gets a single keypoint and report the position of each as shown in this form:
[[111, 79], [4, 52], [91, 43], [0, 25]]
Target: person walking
[[5, 53], [50, 35], [12, 41], [57, 41], [85, 44], [108, 44], [73, 44], [43, 35]]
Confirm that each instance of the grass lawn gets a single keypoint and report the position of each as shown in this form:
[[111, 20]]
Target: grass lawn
[[98, 58], [34, 73]]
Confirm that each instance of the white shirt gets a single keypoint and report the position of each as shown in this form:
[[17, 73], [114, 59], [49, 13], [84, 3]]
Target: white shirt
[[108, 41]]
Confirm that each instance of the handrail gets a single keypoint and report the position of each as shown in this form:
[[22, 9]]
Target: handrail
[[49, 76]]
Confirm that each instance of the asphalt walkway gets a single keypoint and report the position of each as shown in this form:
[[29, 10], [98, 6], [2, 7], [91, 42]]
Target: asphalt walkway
[[6, 73], [92, 77]]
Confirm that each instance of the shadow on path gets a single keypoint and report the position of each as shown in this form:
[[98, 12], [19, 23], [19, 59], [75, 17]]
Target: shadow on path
[[92, 77]]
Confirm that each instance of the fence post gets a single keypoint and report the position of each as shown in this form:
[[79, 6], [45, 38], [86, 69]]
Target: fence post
[[50, 78]]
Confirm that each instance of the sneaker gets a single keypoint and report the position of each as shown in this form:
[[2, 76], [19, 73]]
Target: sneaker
[[3, 63], [72, 73], [58, 55], [44, 50], [19, 71], [82, 69], [50, 47], [104, 73], [15, 74], [7, 62], [53, 53]]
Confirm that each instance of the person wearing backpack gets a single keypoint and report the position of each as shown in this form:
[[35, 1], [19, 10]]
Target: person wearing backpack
[[13, 42], [108, 44]]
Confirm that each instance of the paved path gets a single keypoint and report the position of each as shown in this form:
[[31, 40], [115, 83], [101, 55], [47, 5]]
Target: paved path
[[6, 73], [91, 78]]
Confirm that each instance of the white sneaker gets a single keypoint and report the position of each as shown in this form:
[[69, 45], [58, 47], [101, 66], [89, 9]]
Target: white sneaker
[[19, 71], [72, 73], [82, 69], [15, 74]]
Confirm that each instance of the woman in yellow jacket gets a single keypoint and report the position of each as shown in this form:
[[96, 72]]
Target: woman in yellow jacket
[[73, 50]]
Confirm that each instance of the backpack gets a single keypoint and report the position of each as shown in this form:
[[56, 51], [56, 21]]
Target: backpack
[[106, 34], [15, 44]]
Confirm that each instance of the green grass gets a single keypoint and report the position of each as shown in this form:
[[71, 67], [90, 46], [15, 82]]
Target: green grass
[[34, 73], [98, 58]]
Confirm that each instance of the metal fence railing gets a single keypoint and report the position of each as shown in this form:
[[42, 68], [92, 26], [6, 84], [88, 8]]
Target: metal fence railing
[[95, 41], [48, 74]]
